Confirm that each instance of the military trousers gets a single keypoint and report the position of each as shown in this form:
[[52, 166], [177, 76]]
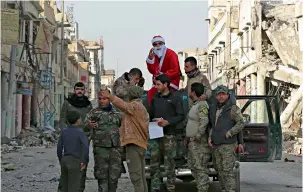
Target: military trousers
[[107, 169], [169, 144], [135, 158], [70, 174], [224, 160], [198, 160]]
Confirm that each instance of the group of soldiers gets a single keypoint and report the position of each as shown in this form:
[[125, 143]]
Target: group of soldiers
[[212, 131]]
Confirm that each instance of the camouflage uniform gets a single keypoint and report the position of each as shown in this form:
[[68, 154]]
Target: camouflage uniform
[[119, 87], [228, 121], [106, 147], [83, 109], [198, 77], [169, 143], [198, 151]]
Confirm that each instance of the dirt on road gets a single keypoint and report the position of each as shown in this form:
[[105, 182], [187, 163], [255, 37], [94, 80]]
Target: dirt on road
[[37, 169]]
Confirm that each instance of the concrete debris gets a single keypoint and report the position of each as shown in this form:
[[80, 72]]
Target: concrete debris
[[289, 136], [5, 140], [31, 137], [293, 146]]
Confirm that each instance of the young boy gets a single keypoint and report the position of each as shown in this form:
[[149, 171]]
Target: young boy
[[72, 152]]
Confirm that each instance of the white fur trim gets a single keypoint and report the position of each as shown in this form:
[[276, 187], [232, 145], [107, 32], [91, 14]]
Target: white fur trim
[[174, 86], [150, 61], [162, 59], [161, 39]]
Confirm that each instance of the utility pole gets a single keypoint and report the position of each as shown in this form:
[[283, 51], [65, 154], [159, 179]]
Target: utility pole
[[62, 54], [9, 115]]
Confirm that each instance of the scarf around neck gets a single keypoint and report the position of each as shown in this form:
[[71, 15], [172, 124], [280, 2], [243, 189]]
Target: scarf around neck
[[78, 102], [193, 73]]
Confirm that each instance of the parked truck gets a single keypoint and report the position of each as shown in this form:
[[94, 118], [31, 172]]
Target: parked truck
[[262, 138]]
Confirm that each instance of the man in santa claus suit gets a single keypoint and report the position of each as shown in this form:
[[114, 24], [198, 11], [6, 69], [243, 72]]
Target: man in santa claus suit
[[162, 60]]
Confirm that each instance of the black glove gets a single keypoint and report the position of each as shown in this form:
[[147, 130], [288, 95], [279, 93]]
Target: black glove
[[141, 82]]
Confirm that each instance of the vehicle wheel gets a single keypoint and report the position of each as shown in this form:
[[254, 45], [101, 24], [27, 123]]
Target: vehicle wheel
[[186, 179], [237, 174]]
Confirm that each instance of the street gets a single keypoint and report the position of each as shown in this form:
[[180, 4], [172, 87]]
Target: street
[[37, 169]]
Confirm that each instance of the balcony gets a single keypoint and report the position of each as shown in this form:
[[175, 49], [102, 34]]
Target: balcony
[[31, 9], [218, 27]]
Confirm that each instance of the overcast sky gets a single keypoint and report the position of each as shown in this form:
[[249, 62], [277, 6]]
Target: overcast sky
[[128, 27]]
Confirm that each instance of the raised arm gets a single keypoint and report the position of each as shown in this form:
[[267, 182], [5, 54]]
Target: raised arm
[[122, 105]]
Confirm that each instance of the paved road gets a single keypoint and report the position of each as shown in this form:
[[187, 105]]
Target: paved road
[[37, 170]]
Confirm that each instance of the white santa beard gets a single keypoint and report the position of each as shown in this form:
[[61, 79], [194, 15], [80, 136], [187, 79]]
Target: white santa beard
[[159, 50]]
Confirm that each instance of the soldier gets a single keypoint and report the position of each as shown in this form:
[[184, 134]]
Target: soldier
[[133, 134], [169, 109], [195, 76], [196, 138], [79, 102], [133, 77], [105, 122], [227, 121]]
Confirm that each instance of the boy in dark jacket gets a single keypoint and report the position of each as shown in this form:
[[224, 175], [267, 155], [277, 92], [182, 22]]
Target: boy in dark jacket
[[73, 153]]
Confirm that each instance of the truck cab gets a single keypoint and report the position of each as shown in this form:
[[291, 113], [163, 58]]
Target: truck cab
[[262, 134]]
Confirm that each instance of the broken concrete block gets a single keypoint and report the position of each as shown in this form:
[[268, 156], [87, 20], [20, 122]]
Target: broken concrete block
[[5, 140]]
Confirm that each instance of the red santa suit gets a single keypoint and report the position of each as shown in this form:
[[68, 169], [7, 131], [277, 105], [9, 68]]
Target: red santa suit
[[168, 64]]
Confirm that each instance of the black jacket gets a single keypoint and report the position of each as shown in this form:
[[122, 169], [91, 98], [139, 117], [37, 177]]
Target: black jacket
[[170, 108]]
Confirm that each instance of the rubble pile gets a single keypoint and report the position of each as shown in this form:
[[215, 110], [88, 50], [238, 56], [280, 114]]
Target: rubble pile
[[31, 137], [292, 142]]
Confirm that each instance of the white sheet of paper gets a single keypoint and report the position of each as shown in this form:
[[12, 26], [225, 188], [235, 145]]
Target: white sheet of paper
[[155, 131]]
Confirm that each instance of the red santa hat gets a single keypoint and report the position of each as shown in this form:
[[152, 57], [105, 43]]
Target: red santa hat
[[158, 38]]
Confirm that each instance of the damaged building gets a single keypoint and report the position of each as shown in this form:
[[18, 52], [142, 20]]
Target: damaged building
[[254, 47]]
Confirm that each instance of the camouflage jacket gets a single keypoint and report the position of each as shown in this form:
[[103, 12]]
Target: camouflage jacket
[[106, 134], [119, 86], [82, 109], [199, 78]]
